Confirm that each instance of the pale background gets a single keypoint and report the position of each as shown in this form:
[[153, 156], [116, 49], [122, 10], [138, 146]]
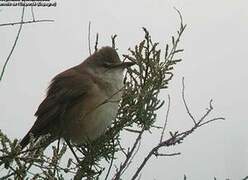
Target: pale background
[[214, 66]]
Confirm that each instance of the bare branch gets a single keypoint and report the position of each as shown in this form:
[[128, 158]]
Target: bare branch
[[111, 163], [176, 137], [18, 34], [96, 43], [184, 177], [209, 110], [211, 120], [163, 154], [27, 22], [132, 157], [89, 26], [128, 157], [113, 37], [180, 15], [132, 130], [7, 176], [121, 148], [137, 114], [166, 119], [246, 178], [185, 103], [14, 45]]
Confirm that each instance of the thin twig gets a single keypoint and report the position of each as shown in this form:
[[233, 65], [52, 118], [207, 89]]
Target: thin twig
[[180, 15], [129, 155], [132, 130], [211, 120], [246, 178], [89, 37], [73, 152], [163, 154], [27, 22], [113, 37], [175, 42], [7, 176], [177, 137], [209, 110], [131, 159], [16, 172], [14, 45], [169, 142], [144, 162], [121, 148], [185, 103], [56, 155], [184, 177], [107, 100], [96, 43], [166, 119], [111, 163]]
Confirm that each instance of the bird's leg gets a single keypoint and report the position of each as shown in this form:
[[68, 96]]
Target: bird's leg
[[57, 152], [73, 152], [58, 145]]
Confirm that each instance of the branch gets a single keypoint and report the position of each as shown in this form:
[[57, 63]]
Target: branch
[[27, 22], [246, 178], [211, 120], [96, 42], [89, 26], [14, 45], [113, 37], [18, 34], [166, 119], [111, 163], [176, 137], [185, 103], [184, 177], [128, 157], [162, 154]]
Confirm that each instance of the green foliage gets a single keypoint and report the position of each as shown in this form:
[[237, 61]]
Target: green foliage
[[144, 83], [139, 102], [137, 114]]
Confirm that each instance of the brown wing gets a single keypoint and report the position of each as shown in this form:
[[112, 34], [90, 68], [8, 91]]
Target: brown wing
[[64, 91]]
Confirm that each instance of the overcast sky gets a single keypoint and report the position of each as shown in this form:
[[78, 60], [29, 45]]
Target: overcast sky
[[214, 66]]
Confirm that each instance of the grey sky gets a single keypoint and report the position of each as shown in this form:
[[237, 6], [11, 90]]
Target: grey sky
[[214, 66]]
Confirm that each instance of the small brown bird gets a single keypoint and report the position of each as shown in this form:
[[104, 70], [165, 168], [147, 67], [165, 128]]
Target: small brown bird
[[81, 102]]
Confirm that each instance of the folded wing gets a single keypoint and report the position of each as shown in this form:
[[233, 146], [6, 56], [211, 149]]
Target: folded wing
[[65, 90]]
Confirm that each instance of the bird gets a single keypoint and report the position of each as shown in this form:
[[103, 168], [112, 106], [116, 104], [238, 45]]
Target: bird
[[81, 102]]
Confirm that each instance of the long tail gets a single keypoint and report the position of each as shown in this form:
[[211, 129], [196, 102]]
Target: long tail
[[25, 141], [43, 142]]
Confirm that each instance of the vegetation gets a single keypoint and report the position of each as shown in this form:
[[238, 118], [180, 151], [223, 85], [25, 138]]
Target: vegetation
[[136, 116]]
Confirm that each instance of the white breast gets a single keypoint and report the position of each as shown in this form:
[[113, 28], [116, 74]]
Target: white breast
[[94, 122], [106, 112]]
